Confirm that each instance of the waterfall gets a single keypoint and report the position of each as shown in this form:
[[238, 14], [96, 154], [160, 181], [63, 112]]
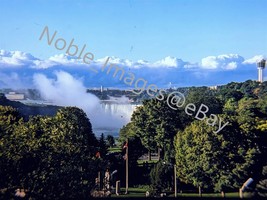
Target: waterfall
[[114, 115], [123, 111]]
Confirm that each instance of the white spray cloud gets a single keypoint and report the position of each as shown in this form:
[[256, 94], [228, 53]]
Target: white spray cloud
[[65, 90]]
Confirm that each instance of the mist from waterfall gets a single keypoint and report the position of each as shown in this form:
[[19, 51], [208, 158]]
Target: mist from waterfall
[[65, 90]]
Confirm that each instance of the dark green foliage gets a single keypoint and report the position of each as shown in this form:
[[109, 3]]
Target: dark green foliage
[[52, 157], [8, 118], [103, 149], [205, 96], [136, 149], [110, 140], [161, 178], [220, 161], [262, 185], [61, 149], [156, 124], [27, 111], [250, 89], [143, 129]]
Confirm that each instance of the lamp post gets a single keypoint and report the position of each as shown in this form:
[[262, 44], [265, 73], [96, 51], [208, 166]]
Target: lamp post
[[127, 167], [127, 170], [175, 182], [175, 175]]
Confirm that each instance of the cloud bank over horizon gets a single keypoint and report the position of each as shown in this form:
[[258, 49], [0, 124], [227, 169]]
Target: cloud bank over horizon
[[18, 69], [64, 79]]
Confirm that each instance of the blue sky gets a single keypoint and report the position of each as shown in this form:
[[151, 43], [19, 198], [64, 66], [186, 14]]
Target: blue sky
[[168, 43], [148, 30]]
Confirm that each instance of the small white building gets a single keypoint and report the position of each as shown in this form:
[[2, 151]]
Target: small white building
[[13, 96]]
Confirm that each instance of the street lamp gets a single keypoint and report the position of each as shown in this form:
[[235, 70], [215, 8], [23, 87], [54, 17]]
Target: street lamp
[[127, 166], [175, 182]]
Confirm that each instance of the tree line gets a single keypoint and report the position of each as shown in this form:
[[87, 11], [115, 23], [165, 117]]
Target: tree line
[[212, 161], [49, 157], [58, 156]]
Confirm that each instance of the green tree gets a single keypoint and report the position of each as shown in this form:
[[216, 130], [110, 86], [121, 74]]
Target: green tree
[[230, 107], [9, 117], [77, 127], [156, 124], [144, 130], [220, 161], [204, 95], [61, 151], [161, 178], [136, 149], [129, 139], [103, 149], [251, 117], [110, 140]]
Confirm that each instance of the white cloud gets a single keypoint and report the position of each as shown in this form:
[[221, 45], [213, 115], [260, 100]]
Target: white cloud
[[227, 62], [169, 62], [231, 65], [209, 62], [11, 80], [118, 61], [163, 63], [43, 64], [16, 58], [59, 59], [254, 59], [191, 65], [122, 62], [170, 69], [140, 64], [64, 59]]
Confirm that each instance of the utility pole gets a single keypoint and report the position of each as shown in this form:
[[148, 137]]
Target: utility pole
[[127, 167], [99, 181], [175, 182]]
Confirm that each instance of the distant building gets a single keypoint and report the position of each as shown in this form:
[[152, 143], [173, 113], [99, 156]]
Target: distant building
[[261, 66], [13, 96], [213, 87]]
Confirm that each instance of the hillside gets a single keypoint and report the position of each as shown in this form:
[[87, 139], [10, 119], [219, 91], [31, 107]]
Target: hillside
[[26, 110]]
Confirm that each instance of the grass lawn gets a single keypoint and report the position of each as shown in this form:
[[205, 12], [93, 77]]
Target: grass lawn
[[114, 149], [133, 192], [140, 162], [214, 195], [140, 192]]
